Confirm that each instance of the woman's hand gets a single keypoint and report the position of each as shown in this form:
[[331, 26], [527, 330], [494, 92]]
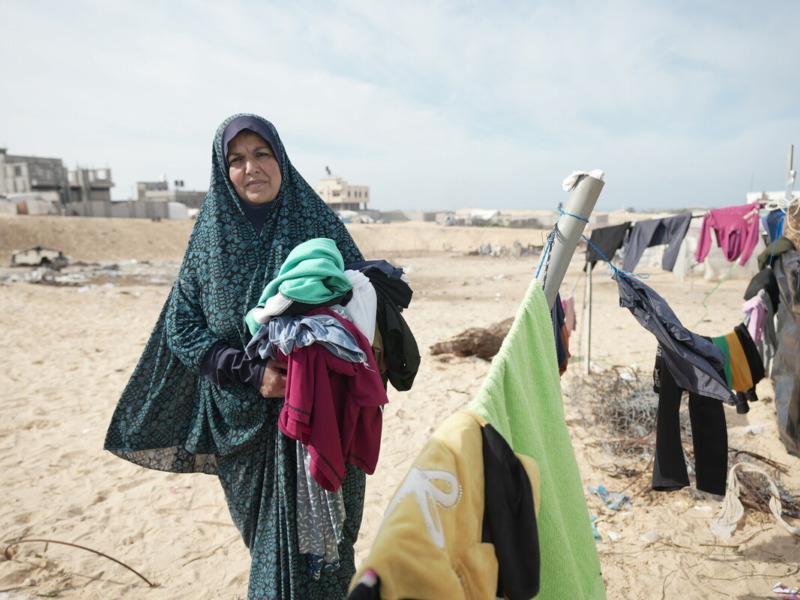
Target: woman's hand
[[273, 384]]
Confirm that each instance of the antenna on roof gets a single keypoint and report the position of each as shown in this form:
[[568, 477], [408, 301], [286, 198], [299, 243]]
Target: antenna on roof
[[328, 170], [792, 174]]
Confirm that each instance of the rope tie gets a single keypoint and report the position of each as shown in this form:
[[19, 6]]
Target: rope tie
[[545, 260], [621, 272]]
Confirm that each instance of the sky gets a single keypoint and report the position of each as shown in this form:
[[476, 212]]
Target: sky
[[435, 105]]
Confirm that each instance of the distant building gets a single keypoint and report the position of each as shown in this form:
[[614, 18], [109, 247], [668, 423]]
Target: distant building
[[46, 177], [86, 185], [51, 181], [159, 191], [340, 195]]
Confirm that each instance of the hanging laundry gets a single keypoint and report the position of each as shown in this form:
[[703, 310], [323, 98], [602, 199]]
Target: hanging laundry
[[755, 365], [755, 310], [467, 505], [769, 343], [773, 224], [774, 250], [562, 347], [570, 319], [735, 229], [744, 367], [721, 342], [655, 232], [785, 370], [709, 437], [521, 398], [693, 361], [607, 240], [570, 324], [765, 284], [764, 280]]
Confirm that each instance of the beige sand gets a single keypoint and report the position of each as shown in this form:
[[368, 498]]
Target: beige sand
[[68, 351]]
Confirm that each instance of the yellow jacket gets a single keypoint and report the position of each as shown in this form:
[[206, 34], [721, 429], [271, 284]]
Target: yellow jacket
[[429, 543]]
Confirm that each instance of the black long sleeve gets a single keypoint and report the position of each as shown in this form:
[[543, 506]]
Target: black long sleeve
[[223, 365]]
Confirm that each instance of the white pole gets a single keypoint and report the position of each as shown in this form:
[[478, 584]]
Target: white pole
[[553, 264]]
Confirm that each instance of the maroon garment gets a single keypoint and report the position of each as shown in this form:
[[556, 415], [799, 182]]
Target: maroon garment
[[334, 407]]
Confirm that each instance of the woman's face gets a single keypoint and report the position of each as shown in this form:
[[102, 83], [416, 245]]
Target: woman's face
[[253, 168]]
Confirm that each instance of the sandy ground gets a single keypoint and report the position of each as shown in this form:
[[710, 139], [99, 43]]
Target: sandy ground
[[70, 348]]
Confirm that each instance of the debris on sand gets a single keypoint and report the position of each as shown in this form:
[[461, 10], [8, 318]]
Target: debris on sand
[[483, 342]]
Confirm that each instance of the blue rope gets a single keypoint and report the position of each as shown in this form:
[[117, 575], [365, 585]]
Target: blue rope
[[622, 272], [552, 236], [546, 251], [563, 212]]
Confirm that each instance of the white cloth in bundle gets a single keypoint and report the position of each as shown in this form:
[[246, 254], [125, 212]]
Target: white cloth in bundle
[[363, 306]]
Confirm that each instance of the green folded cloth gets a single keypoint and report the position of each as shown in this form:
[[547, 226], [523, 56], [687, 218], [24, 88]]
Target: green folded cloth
[[313, 273]]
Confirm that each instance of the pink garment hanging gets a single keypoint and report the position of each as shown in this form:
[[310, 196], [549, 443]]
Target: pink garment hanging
[[757, 310], [736, 230]]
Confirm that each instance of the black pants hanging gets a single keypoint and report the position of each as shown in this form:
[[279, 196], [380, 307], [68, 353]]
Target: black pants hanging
[[709, 435]]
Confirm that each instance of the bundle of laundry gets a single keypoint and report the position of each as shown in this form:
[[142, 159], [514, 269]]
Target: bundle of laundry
[[311, 276], [334, 391]]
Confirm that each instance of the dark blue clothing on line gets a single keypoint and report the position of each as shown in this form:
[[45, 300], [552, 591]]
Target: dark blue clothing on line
[[606, 240], [655, 232], [693, 361]]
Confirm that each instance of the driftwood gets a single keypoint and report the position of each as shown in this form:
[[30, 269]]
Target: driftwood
[[476, 341]]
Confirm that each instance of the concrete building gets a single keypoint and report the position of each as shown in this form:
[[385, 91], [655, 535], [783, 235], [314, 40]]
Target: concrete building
[[340, 195], [50, 181], [87, 185], [159, 191], [46, 177]]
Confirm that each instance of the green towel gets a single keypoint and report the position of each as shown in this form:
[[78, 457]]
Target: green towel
[[721, 343], [313, 273], [521, 398]]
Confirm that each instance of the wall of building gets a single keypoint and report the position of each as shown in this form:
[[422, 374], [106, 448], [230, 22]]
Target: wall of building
[[126, 209], [340, 195], [191, 199]]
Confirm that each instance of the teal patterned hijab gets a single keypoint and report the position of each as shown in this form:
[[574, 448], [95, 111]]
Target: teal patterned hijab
[[168, 417]]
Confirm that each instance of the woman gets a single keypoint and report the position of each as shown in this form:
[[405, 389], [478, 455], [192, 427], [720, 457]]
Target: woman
[[195, 403]]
